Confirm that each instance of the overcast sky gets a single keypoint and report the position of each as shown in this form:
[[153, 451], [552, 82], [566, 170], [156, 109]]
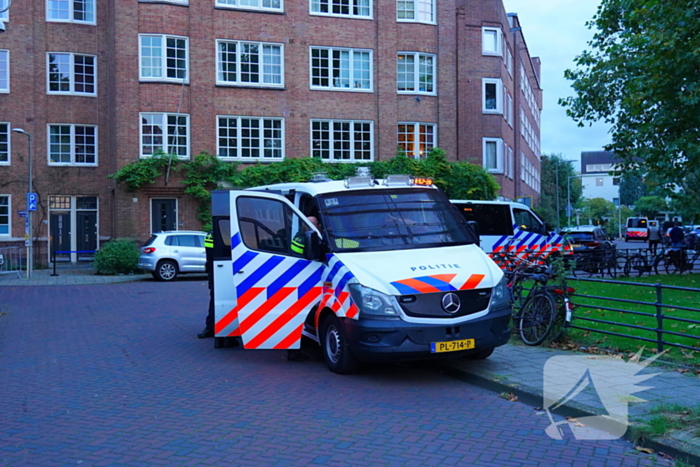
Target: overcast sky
[[555, 31]]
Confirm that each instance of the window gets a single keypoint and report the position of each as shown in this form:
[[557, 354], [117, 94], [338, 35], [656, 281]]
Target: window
[[421, 11], [163, 58], [250, 138], [269, 225], [68, 73], [5, 226], [491, 41], [342, 140], [351, 8], [527, 222], [493, 155], [4, 71], [510, 162], [615, 181], [416, 139], [415, 73], [272, 5], [249, 64], [72, 11], [493, 95], [4, 16], [509, 107], [599, 182], [165, 132], [509, 62], [4, 143], [72, 145], [341, 69]]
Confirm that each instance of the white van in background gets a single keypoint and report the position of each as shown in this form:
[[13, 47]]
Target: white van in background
[[510, 226]]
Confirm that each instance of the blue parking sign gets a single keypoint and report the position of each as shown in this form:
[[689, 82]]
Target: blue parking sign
[[31, 201]]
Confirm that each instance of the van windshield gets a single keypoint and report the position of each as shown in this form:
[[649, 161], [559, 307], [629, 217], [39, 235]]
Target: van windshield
[[380, 220], [637, 223]]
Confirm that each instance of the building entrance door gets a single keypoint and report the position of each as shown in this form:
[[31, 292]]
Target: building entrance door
[[163, 215], [86, 224], [60, 235]]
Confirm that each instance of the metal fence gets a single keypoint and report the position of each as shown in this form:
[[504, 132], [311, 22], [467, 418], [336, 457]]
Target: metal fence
[[634, 262], [658, 318], [12, 260]]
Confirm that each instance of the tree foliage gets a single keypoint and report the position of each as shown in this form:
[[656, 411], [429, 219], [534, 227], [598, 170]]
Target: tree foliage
[[641, 76], [598, 210], [650, 206]]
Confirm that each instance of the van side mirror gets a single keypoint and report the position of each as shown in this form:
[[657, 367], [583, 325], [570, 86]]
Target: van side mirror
[[475, 227], [312, 246]]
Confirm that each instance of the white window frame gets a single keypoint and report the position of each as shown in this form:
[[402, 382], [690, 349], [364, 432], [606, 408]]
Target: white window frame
[[72, 145], [71, 66], [261, 74], [315, 7], [6, 70], [8, 136], [262, 140], [510, 162], [499, 95], [424, 11], [331, 140], [417, 56], [174, 2], [509, 107], [71, 12], [9, 216], [164, 126], [498, 142], [416, 142], [4, 15], [486, 34], [332, 80], [248, 5], [509, 61], [163, 78]]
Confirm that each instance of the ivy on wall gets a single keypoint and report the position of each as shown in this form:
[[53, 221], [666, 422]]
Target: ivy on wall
[[206, 172]]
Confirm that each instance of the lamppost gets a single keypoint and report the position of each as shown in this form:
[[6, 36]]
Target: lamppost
[[569, 208], [30, 194], [556, 177]]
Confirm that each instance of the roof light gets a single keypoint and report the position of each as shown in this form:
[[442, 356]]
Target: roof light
[[354, 182], [397, 180], [319, 177], [363, 172], [423, 181]]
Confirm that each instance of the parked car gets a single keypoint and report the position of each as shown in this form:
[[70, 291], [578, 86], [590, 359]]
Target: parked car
[[590, 245], [167, 254]]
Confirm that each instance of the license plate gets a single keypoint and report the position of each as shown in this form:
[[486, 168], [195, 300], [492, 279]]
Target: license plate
[[451, 346], [576, 245]]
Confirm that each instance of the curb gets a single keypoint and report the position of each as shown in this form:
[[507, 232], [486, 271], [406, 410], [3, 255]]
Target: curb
[[679, 450]]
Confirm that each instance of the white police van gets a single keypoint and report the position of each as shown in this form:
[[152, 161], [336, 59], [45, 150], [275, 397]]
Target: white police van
[[510, 226], [393, 272]]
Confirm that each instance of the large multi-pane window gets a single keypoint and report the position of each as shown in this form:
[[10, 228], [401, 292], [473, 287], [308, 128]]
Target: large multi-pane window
[[341, 69], [422, 11], [249, 63], [342, 140], [416, 139], [4, 143], [163, 58], [72, 144], [4, 70], [493, 155], [165, 132], [78, 11], [5, 215], [71, 74], [352, 8], [415, 73], [250, 138], [273, 5]]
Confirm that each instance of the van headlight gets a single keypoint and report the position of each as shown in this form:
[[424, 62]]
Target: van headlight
[[373, 303], [500, 295]]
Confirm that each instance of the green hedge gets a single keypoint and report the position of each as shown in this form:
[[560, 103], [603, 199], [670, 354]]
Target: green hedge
[[117, 257]]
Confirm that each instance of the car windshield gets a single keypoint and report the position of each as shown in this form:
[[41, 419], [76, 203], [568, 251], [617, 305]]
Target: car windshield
[[575, 237], [392, 219]]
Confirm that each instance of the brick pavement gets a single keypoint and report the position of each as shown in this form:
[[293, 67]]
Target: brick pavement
[[113, 375]]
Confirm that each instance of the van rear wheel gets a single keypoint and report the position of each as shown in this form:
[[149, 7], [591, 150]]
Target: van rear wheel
[[335, 347]]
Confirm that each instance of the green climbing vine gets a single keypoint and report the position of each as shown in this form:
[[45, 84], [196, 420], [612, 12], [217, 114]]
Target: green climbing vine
[[205, 172]]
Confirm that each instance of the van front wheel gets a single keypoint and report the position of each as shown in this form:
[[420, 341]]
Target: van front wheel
[[335, 347]]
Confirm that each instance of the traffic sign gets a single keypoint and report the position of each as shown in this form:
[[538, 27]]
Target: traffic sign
[[22, 213], [31, 201]]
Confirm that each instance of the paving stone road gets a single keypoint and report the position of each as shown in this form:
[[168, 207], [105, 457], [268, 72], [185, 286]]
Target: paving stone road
[[112, 375]]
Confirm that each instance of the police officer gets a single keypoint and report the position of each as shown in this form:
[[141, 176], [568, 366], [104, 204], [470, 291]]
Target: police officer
[[209, 323]]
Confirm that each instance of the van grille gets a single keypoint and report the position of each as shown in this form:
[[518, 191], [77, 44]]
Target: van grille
[[429, 305]]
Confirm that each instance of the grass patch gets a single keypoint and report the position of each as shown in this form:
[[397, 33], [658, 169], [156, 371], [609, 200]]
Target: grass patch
[[631, 309], [667, 419]]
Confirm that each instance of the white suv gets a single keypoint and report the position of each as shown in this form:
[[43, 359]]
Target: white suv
[[167, 254]]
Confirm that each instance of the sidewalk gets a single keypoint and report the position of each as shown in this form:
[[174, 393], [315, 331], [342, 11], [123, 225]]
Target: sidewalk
[[518, 370], [512, 369]]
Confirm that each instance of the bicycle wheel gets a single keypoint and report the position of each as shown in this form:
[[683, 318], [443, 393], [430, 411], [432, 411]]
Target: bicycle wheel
[[673, 263], [637, 265], [536, 318], [519, 294], [622, 265]]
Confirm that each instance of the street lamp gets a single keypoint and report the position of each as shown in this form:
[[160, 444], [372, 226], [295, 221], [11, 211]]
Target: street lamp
[[556, 177], [30, 192], [569, 208]]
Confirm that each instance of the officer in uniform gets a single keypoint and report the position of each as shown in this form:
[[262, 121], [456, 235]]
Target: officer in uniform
[[209, 323]]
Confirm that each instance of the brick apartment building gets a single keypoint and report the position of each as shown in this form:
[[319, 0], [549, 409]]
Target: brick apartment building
[[98, 84]]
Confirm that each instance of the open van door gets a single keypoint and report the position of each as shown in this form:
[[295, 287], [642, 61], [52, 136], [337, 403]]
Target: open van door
[[275, 286]]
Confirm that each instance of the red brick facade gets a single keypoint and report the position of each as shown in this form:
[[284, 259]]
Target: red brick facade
[[454, 39]]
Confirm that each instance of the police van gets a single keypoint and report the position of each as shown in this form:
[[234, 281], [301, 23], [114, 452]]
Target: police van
[[510, 226], [637, 229], [392, 272]]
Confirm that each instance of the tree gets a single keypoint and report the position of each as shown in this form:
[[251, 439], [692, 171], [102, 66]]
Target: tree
[[554, 179], [598, 210], [631, 188], [650, 206], [640, 76]]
